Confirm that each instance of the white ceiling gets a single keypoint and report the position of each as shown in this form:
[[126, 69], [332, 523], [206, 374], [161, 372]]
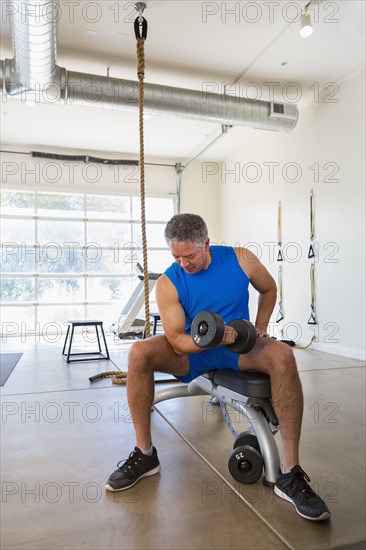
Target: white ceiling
[[190, 44]]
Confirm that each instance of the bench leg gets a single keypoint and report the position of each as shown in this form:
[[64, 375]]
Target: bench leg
[[258, 423], [183, 390], [266, 442]]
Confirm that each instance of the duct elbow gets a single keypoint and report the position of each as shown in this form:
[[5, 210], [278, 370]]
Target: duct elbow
[[9, 83]]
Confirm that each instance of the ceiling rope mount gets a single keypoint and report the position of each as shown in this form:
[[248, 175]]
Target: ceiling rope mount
[[140, 24], [141, 6]]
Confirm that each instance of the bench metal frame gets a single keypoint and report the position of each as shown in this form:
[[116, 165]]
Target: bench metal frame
[[258, 411]]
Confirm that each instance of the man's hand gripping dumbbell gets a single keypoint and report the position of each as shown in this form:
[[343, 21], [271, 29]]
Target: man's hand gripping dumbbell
[[209, 331]]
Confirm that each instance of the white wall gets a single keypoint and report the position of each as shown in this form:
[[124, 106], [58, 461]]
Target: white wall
[[332, 135], [201, 196]]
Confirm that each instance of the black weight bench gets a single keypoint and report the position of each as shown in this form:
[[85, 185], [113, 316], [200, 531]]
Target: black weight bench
[[249, 393]]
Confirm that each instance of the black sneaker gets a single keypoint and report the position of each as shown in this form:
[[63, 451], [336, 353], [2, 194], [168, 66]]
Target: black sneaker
[[294, 488], [134, 468]]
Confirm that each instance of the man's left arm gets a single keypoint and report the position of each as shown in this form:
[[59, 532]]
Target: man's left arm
[[264, 283]]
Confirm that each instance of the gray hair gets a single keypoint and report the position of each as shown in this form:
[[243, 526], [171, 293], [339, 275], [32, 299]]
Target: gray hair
[[186, 227]]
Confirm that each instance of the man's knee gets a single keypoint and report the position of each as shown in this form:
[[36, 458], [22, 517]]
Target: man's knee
[[148, 354], [139, 355], [282, 356]]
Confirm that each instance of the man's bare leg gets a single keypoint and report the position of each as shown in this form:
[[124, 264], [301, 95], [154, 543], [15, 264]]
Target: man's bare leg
[[146, 357], [277, 360]]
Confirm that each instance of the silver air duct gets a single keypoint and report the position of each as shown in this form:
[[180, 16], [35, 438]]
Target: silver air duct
[[33, 30], [34, 68]]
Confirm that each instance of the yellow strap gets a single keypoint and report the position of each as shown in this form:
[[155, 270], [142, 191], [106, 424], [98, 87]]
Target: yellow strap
[[312, 286], [312, 319], [279, 225], [280, 315], [312, 215], [280, 282], [279, 233], [307, 346]]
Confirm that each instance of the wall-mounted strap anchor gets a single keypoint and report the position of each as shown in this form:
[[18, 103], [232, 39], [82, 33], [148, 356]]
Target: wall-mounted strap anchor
[[280, 315]]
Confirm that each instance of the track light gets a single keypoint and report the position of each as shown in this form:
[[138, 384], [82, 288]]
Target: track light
[[306, 27]]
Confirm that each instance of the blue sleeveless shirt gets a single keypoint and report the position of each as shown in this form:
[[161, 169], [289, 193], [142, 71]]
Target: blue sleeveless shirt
[[222, 288]]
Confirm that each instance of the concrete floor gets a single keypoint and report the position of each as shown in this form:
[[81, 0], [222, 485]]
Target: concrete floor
[[62, 437]]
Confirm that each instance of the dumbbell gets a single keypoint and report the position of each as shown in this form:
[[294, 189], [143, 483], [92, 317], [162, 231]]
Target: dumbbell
[[208, 330]]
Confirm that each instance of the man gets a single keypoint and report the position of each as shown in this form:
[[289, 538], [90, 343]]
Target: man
[[214, 278]]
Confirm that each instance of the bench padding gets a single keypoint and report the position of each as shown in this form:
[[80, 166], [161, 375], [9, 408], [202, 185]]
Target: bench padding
[[250, 384]]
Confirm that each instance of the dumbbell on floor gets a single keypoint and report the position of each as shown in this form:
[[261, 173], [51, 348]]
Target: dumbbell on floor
[[208, 330]]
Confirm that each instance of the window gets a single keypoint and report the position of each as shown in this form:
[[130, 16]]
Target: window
[[73, 256]]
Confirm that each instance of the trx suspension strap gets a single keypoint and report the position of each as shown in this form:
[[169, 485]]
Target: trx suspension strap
[[311, 253], [279, 232], [140, 26], [312, 319], [280, 315]]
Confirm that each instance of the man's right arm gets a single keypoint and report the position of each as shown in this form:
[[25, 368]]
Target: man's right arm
[[173, 317]]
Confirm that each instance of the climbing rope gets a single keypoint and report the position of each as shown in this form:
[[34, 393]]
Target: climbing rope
[[118, 377], [140, 26]]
